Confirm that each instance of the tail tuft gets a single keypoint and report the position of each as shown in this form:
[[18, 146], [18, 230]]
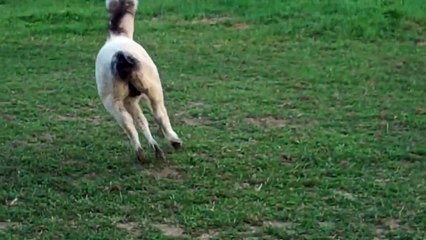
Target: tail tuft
[[117, 10], [114, 3], [123, 65]]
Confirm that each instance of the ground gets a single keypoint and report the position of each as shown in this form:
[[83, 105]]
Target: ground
[[300, 120]]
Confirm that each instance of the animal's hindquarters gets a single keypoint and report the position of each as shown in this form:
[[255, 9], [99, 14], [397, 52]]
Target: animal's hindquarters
[[125, 72]]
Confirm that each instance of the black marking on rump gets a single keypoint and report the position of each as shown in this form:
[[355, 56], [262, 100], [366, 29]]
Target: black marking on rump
[[122, 66], [117, 10]]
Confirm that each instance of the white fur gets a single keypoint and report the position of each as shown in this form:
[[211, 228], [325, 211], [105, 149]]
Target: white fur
[[104, 78], [114, 92]]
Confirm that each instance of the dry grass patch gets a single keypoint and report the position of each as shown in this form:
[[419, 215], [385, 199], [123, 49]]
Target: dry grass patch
[[170, 230], [167, 172], [268, 122], [131, 227], [211, 234], [210, 21], [4, 226]]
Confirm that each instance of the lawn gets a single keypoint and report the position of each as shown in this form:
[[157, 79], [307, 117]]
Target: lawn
[[300, 120]]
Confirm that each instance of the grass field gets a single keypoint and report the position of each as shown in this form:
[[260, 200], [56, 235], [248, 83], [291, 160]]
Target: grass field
[[300, 120]]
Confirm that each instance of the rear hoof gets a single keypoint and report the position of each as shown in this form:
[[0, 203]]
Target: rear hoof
[[176, 144], [159, 154], [140, 155]]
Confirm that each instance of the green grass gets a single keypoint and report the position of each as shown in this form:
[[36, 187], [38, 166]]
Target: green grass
[[300, 120]]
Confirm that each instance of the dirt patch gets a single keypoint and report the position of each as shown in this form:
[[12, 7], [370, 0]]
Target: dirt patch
[[95, 119], [73, 162], [305, 98], [278, 224], [210, 21], [46, 91], [287, 226], [209, 235], [169, 230], [240, 186], [344, 164], [197, 104], [382, 181], [287, 160], [9, 118], [46, 137], [380, 234], [179, 114], [167, 172], [421, 43], [420, 111], [250, 230], [387, 225], [190, 105], [127, 226], [414, 157], [400, 64], [91, 106], [391, 223], [6, 225], [127, 210], [197, 121], [241, 26], [19, 143], [67, 118], [114, 187], [226, 21], [131, 227], [90, 176], [268, 122], [301, 123], [326, 225], [346, 195]]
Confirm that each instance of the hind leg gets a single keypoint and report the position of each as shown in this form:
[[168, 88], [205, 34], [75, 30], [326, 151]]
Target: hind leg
[[156, 99], [132, 106], [125, 120]]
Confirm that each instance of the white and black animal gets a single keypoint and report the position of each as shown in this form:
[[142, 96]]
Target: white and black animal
[[125, 74]]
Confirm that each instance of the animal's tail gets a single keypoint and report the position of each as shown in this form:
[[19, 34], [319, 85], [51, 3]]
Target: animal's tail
[[126, 68], [121, 16]]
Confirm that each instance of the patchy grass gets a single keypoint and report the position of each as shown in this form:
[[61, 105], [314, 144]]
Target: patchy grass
[[300, 119]]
